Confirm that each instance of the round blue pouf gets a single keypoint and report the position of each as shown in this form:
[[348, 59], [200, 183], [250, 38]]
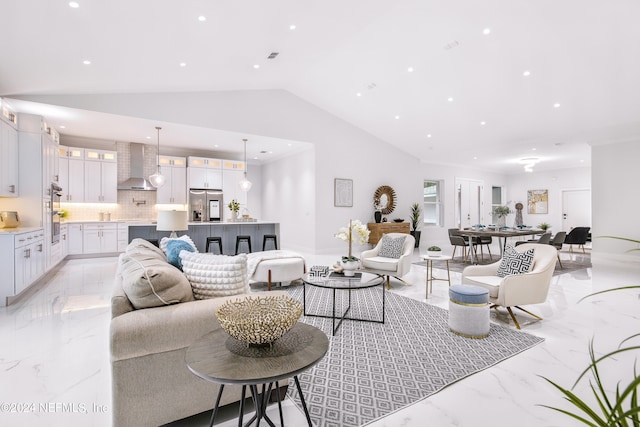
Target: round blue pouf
[[469, 311]]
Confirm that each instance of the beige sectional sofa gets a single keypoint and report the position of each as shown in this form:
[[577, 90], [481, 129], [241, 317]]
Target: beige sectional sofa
[[151, 384]]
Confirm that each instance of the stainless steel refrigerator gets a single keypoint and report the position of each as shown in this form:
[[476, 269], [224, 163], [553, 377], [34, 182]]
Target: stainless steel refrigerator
[[206, 205]]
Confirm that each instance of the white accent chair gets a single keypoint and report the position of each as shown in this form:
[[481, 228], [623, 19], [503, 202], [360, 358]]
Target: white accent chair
[[390, 266], [517, 289]]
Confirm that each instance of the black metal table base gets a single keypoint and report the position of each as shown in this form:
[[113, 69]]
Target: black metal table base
[[260, 401], [342, 317]]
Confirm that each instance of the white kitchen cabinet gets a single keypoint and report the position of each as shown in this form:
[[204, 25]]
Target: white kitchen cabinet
[[75, 243], [205, 173], [123, 236], [100, 181], [100, 238], [71, 173], [64, 241], [28, 258], [8, 159], [174, 191]]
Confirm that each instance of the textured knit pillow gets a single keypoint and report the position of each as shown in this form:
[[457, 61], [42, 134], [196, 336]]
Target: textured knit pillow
[[185, 238], [514, 262], [174, 246], [215, 275], [391, 247]]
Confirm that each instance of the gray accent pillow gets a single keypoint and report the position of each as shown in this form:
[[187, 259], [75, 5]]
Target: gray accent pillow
[[391, 247], [514, 262]]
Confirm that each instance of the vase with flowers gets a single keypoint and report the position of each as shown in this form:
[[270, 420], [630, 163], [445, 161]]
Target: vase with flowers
[[234, 207], [355, 231]]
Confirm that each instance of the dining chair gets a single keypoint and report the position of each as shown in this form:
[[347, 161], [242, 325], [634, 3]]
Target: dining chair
[[545, 239], [456, 241], [577, 236], [557, 242]]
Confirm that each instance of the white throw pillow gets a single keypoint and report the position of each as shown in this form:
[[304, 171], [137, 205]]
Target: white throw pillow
[[165, 240], [214, 276]]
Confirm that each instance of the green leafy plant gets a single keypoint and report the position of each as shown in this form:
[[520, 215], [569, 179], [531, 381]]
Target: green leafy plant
[[544, 226], [434, 249], [416, 211], [501, 211], [613, 410], [234, 205]]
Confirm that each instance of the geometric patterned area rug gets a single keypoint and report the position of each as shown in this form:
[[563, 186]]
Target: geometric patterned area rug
[[373, 369]]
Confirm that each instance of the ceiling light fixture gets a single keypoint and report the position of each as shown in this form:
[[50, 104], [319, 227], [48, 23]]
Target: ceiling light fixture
[[450, 99], [86, 62], [428, 135], [358, 94], [529, 162], [556, 105], [292, 27], [486, 31], [256, 66], [202, 18], [526, 73], [74, 4], [157, 179], [245, 184], [183, 64], [483, 123], [410, 69], [397, 117]]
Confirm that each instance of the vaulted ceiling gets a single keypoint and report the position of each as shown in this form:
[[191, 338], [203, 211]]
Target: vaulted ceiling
[[479, 83]]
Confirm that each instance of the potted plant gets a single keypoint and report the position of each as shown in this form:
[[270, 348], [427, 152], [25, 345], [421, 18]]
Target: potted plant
[[356, 230], [416, 211], [234, 207], [544, 226], [501, 213], [434, 251]]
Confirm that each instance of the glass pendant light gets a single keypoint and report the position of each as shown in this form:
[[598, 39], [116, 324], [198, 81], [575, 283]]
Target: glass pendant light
[[245, 184], [157, 179]]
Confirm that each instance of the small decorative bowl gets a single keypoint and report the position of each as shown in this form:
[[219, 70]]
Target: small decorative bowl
[[259, 320], [398, 220]]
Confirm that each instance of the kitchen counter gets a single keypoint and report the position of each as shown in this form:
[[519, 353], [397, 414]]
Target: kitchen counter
[[18, 230]]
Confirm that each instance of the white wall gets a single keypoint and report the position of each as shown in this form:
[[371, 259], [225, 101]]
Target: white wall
[[288, 197], [616, 205], [556, 182]]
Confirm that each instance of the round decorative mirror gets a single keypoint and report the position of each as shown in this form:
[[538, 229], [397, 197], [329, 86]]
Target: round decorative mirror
[[386, 198]]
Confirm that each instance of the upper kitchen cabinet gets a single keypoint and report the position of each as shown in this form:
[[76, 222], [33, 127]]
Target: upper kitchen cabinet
[[174, 191], [8, 153], [100, 176], [205, 173], [71, 170], [232, 174]]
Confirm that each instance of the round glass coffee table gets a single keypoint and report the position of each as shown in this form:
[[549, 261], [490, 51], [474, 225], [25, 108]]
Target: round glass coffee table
[[346, 284], [220, 358]]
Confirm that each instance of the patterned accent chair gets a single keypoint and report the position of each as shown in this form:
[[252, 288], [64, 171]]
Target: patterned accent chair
[[516, 289], [396, 267]]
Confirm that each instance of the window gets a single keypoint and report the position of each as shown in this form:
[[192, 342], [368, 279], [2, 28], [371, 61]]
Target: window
[[496, 200], [432, 204]]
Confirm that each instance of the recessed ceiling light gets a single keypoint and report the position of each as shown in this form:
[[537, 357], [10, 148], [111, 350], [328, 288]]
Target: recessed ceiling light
[[216, 145], [183, 64], [397, 117], [202, 18], [556, 105], [410, 69], [534, 149], [255, 158], [450, 99], [289, 145], [86, 62], [292, 27], [148, 137], [486, 31], [483, 123], [256, 66], [74, 4], [475, 158], [63, 127], [581, 160], [428, 135], [358, 94], [527, 73]]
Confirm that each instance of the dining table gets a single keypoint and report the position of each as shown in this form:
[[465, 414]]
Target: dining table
[[501, 234]]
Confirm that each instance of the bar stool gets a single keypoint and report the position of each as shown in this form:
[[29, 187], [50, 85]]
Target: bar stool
[[217, 240], [272, 237], [245, 239]]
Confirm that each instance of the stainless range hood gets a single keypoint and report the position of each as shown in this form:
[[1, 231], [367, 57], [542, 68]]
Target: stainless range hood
[[137, 181]]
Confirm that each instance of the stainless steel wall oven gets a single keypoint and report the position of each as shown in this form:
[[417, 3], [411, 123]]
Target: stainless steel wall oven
[[56, 193]]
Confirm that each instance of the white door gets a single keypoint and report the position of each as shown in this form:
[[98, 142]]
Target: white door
[[576, 209], [469, 201]]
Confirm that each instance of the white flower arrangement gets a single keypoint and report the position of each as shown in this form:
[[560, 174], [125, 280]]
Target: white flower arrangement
[[355, 230]]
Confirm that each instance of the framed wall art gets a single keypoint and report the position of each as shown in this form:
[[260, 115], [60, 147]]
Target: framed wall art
[[343, 192], [538, 201]]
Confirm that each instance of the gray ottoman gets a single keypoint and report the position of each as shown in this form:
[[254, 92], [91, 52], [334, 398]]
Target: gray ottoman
[[469, 311]]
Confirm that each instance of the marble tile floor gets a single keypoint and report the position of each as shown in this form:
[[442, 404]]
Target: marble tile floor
[[54, 362]]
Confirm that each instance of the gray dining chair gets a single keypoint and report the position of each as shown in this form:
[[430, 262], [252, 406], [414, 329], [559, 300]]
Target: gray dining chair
[[557, 242]]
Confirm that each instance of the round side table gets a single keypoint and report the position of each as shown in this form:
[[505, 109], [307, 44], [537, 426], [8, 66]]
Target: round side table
[[429, 259]]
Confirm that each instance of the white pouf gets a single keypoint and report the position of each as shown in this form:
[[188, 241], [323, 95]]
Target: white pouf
[[469, 311]]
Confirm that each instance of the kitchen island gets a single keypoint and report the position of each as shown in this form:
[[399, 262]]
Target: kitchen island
[[199, 231]]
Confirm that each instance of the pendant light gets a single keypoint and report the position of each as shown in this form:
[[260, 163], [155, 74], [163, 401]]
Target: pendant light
[[245, 184], [157, 179]]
